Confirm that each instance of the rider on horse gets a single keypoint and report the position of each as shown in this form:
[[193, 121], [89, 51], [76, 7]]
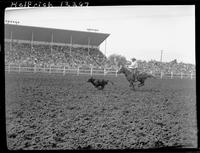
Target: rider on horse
[[134, 68]]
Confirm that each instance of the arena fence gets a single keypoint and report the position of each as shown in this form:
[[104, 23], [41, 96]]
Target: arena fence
[[87, 71]]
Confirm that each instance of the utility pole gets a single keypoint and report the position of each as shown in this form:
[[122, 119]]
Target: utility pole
[[161, 73], [161, 56]]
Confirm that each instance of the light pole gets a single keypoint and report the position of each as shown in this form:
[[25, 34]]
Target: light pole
[[161, 63], [161, 56]]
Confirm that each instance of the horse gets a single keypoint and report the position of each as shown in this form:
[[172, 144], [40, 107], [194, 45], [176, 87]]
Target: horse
[[99, 84], [141, 77]]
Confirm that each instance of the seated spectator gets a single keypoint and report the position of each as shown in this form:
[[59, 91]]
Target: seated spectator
[[44, 55]]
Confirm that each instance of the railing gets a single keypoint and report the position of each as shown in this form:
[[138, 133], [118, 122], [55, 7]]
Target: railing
[[61, 69], [87, 71]]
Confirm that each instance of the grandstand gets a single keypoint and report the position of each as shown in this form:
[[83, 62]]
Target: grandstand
[[44, 49], [27, 45]]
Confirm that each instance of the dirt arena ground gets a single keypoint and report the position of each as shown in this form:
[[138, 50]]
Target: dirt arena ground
[[46, 111]]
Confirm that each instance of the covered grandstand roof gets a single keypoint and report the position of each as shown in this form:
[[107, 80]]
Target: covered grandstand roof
[[59, 35]]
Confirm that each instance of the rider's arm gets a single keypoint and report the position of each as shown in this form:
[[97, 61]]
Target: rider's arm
[[128, 63]]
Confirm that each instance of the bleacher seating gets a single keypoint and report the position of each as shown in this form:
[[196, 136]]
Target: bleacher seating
[[44, 55], [166, 67]]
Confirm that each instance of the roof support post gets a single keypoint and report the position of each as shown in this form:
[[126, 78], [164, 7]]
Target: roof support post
[[11, 40], [32, 40], [71, 46], [88, 44], [51, 42]]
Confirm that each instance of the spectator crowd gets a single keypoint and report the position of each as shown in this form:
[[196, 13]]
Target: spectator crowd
[[166, 67], [45, 55]]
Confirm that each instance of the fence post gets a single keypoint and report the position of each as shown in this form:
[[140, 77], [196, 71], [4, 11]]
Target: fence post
[[181, 75], [9, 68], [64, 71], [171, 75], [78, 71], [116, 72], [161, 74], [19, 68], [34, 68], [91, 71]]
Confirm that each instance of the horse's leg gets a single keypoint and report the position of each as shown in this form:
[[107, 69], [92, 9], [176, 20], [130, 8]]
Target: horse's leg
[[141, 83], [132, 85]]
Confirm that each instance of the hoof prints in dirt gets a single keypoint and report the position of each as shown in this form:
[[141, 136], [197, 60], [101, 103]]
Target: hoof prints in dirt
[[59, 113]]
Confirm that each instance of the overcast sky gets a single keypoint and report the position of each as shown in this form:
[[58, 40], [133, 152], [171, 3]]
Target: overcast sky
[[135, 31]]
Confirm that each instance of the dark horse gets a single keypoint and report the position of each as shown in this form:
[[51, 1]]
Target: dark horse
[[141, 77]]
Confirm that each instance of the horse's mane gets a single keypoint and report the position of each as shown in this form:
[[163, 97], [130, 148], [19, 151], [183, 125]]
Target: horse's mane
[[126, 68]]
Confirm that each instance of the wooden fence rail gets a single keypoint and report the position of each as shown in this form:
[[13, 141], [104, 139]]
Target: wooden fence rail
[[87, 71]]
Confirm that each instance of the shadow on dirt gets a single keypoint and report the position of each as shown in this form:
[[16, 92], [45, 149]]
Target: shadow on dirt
[[147, 90], [140, 90]]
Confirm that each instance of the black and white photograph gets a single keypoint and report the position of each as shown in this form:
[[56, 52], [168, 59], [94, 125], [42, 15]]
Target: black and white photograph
[[100, 77]]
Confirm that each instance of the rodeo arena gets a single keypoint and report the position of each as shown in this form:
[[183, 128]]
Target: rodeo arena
[[63, 92]]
